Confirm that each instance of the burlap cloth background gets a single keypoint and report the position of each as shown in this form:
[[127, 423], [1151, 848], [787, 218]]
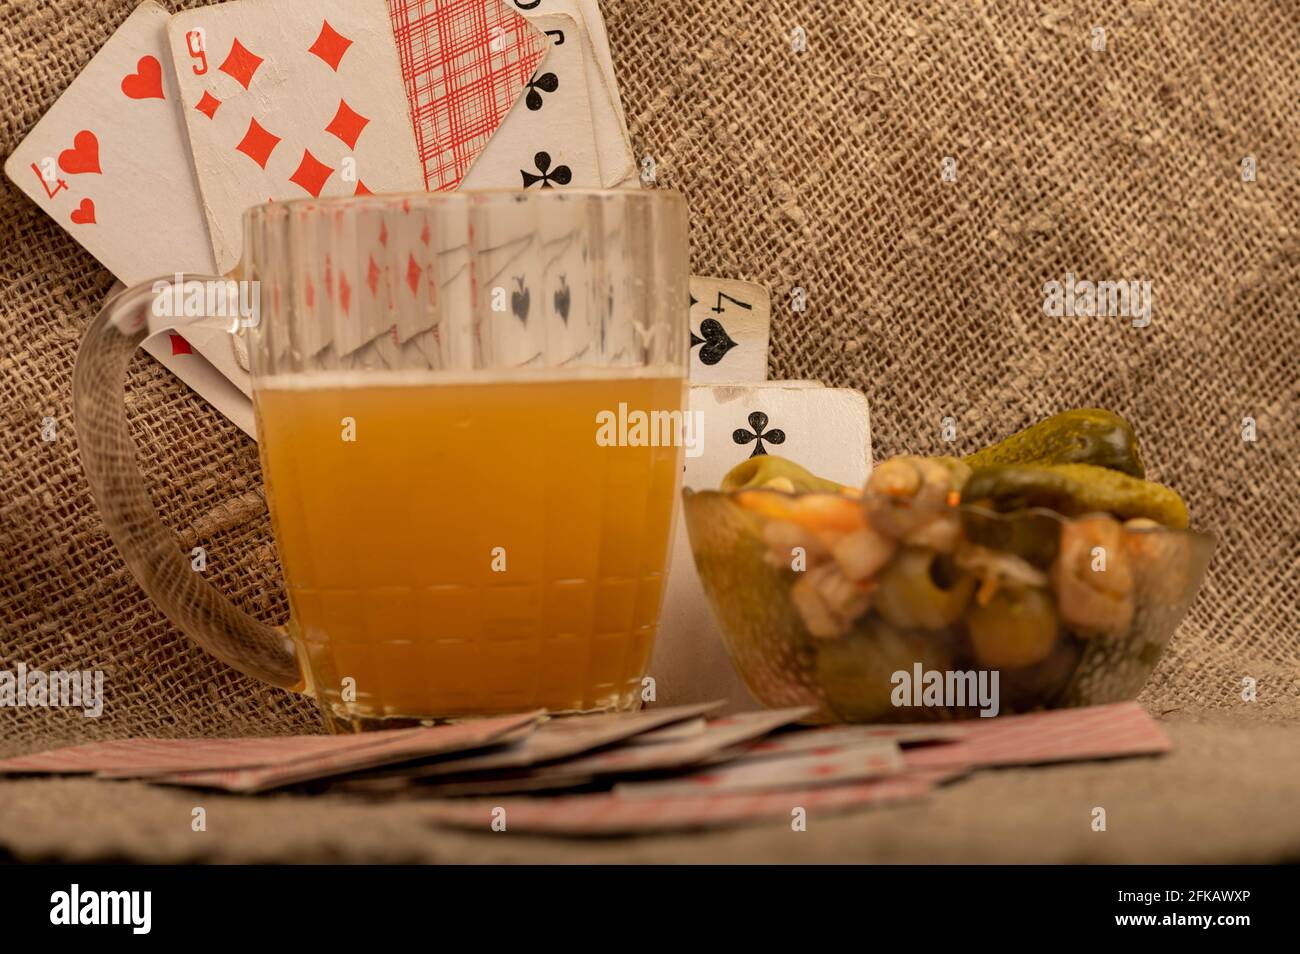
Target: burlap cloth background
[[820, 169]]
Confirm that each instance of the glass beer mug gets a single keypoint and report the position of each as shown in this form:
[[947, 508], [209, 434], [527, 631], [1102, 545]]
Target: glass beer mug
[[434, 378]]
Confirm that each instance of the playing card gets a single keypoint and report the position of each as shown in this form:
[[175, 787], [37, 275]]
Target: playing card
[[560, 738], [611, 814], [854, 763], [730, 325], [613, 146], [290, 99], [1058, 735], [142, 758], [719, 735], [464, 63], [110, 160], [833, 737], [219, 387], [689, 729], [826, 430], [546, 139], [402, 745]]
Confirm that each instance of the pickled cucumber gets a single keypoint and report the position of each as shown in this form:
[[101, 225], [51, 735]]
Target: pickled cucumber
[[1073, 490], [1085, 436]]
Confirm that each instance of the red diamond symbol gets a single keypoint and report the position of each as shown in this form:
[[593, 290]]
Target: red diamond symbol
[[179, 345], [310, 294], [240, 63], [361, 189], [424, 234], [311, 173], [412, 274], [330, 45], [345, 292], [257, 143], [208, 105], [329, 278], [347, 124], [372, 276], [383, 234]]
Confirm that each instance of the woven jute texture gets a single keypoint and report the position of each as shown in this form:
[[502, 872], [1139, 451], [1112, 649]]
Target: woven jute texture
[[822, 169]]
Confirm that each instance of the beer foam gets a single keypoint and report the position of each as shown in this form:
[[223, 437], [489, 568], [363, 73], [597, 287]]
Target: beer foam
[[344, 378]]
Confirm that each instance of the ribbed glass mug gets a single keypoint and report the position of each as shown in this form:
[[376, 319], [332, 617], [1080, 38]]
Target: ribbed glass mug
[[465, 526]]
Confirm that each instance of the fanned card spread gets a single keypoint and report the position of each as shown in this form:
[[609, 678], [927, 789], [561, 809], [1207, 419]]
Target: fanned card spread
[[658, 769]]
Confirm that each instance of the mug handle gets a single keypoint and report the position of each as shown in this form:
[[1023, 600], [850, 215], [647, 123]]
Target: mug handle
[[151, 550]]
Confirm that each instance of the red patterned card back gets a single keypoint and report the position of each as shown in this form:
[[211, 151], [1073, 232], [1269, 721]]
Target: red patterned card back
[[464, 63]]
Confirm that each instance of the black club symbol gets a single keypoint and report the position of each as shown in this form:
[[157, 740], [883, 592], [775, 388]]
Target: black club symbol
[[546, 83], [715, 340], [758, 433], [547, 176]]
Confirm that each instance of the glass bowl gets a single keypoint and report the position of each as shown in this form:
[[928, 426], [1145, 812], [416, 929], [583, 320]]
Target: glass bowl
[[974, 613]]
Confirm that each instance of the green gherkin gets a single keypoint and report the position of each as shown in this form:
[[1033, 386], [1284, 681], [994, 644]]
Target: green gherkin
[[1084, 436], [1074, 490]]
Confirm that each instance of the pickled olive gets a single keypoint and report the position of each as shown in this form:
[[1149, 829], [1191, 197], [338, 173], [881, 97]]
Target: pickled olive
[[1092, 577], [761, 471], [921, 589], [862, 553], [1016, 629], [1042, 684], [1073, 490], [856, 673], [1084, 436]]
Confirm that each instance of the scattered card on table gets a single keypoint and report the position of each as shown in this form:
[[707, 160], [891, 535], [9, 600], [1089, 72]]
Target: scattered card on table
[[1057, 735], [562, 738], [110, 161], [288, 99], [611, 814], [847, 764]]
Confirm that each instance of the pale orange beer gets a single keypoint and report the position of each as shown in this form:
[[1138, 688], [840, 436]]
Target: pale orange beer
[[465, 546]]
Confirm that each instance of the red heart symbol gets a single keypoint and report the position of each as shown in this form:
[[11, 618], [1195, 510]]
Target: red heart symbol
[[84, 214], [83, 156], [146, 81]]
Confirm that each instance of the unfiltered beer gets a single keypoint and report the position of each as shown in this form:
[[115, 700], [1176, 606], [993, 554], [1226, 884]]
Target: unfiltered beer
[[455, 546]]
